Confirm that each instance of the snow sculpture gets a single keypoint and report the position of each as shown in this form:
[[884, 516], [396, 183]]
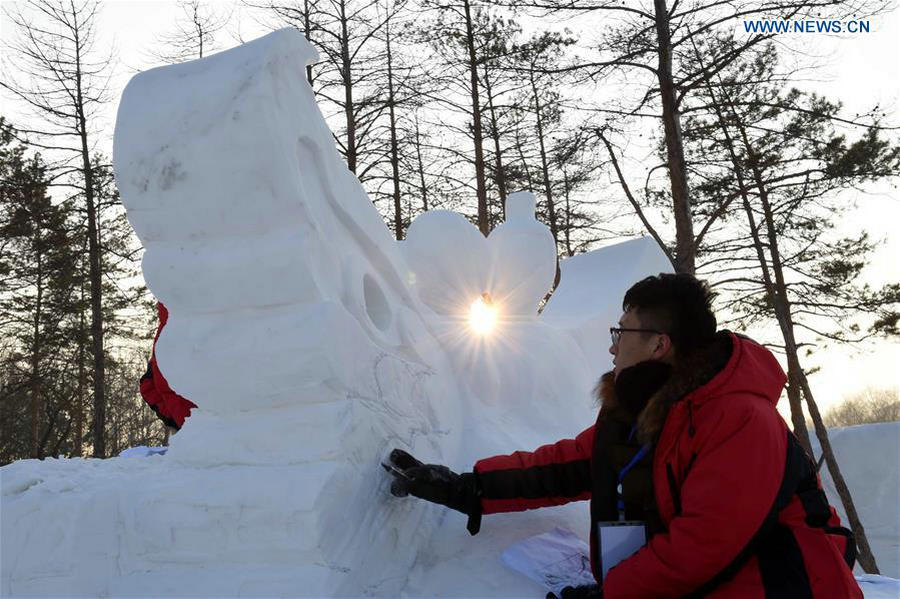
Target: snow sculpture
[[312, 343], [523, 258], [291, 323], [268, 250], [452, 264], [607, 273], [446, 257], [520, 361]]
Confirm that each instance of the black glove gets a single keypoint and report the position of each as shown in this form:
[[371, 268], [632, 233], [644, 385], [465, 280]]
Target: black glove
[[588, 591], [437, 484]]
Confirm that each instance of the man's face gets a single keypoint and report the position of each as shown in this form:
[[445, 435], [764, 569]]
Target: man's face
[[634, 347]]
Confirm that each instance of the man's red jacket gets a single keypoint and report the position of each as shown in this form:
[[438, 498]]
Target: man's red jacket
[[721, 466], [171, 408]]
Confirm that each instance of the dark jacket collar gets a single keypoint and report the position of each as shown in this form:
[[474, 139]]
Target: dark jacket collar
[[624, 398], [636, 385]]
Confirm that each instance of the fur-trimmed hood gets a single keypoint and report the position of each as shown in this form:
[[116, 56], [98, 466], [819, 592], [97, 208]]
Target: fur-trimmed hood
[[730, 363]]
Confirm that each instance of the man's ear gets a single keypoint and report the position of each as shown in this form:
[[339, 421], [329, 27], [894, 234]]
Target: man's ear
[[663, 347]]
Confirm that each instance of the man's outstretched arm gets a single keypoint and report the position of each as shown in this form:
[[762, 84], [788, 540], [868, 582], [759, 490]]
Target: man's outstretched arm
[[551, 475]]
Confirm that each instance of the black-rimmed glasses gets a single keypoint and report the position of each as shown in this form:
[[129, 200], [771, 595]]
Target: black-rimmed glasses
[[616, 332]]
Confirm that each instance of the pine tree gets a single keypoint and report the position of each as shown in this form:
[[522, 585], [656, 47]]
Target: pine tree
[[781, 154], [36, 297], [59, 76], [649, 44]]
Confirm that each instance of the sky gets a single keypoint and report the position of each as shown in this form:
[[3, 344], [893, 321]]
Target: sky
[[860, 69]]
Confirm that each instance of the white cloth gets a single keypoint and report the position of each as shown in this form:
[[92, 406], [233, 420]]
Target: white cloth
[[555, 559]]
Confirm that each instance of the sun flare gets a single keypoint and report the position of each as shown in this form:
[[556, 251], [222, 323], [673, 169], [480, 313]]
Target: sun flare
[[483, 315]]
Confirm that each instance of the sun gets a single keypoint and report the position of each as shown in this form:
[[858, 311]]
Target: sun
[[483, 315]]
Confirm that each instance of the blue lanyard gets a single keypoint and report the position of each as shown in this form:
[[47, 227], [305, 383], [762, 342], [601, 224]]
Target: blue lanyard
[[637, 458], [634, 460]]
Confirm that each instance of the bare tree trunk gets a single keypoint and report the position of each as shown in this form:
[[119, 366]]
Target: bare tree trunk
[[521, 149], [199, 26], [421, 166], [481, 189], [35, 358], [348, 90], [681, 205], [79, 396], [568, 228], [545, 169], [94, 267], [866, 557], [96, 317], [495, 135], [395, 158], [307, 31], [114, 425], [795, 400]]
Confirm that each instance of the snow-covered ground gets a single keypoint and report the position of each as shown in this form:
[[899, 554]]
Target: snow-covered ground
[[192, 547], [869, 458], [313, 344]]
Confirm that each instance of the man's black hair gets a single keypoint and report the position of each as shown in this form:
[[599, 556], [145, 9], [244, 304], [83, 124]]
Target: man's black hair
[[677, 304]]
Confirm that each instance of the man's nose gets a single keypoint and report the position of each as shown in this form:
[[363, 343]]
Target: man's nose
[[613, 349]]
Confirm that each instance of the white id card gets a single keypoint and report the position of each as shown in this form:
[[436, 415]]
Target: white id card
[[619, 540]]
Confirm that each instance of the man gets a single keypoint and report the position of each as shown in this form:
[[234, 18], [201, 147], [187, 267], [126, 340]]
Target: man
[[688, 427]]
